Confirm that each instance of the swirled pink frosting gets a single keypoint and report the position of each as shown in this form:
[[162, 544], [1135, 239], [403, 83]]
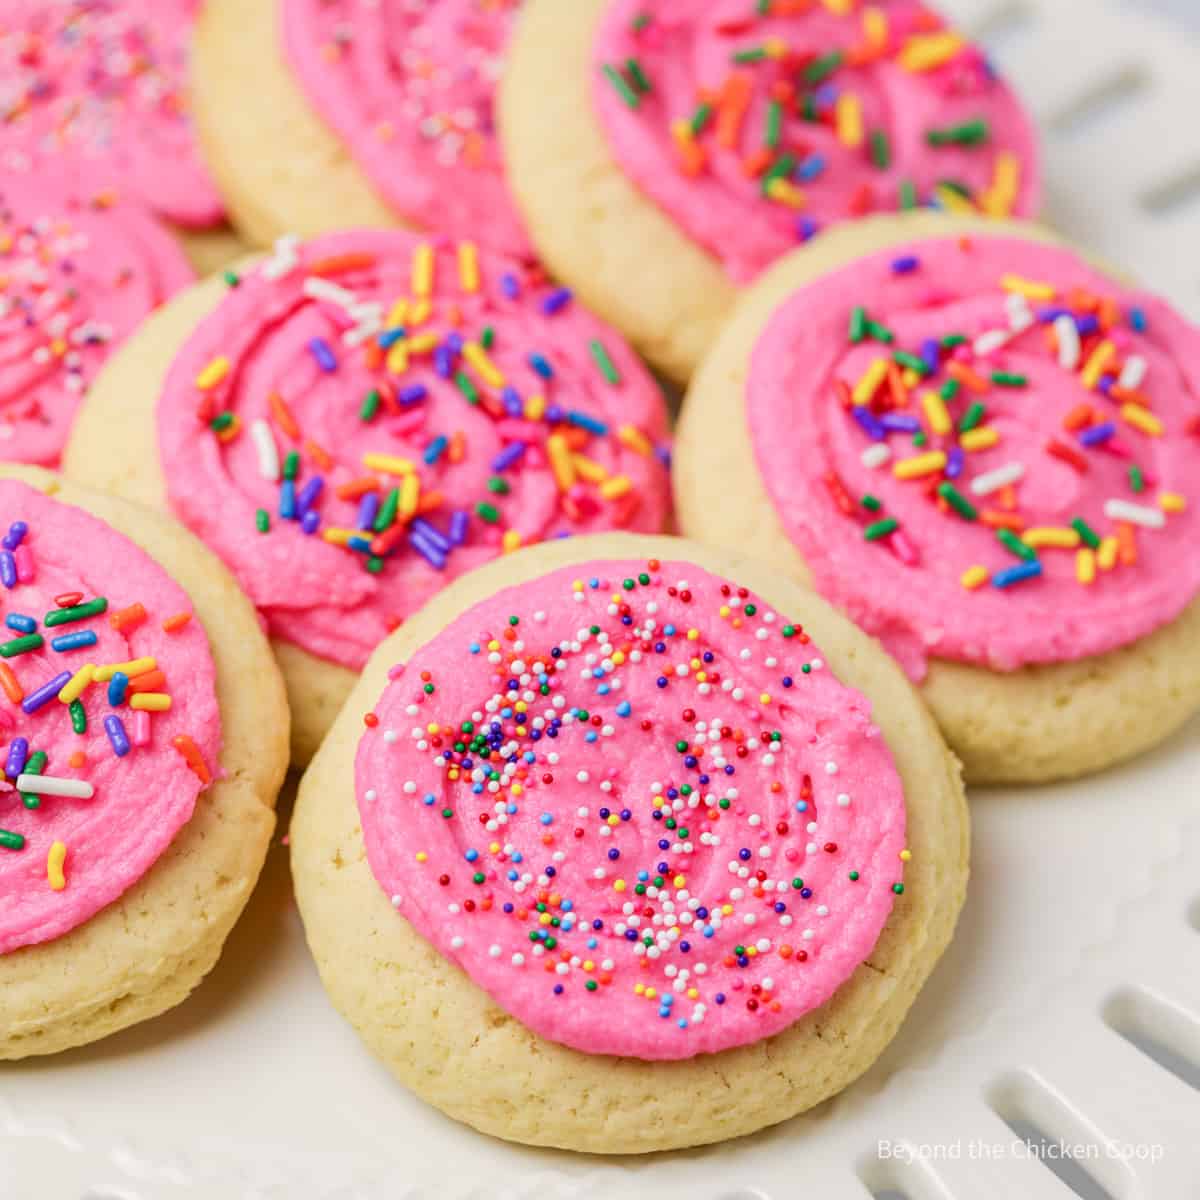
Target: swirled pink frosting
[[101, 83], [408, 87], [852, 108], [313, 356], [635, 806], [142, 797], [79, 270], [1060, 439]]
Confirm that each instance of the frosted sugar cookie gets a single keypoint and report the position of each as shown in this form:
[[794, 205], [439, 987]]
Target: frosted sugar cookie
[[366, 113], [636, 823], [143, 737], [664, 152], [79, 269], [985, 450], [364, 417]]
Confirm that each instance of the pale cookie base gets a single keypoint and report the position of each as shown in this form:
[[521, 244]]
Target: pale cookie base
[[1026, 726], [210, 250], [621, 254], [114, 448], [449, 1042], [146, 951], [278, 166]]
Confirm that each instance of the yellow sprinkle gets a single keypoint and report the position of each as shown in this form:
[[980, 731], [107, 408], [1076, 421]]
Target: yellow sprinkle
[[910, 378], [339, 537], [982, 438], [588, 468], [765, 698], [693, 993], [1085, 564], [639, 989], [561, 464], [422, 856], [868, 385], [840, 8], [936, 413], [921, 464], [54, 866], [511, 541], [397, 314], [924, 52], [577, 585], [588, 965], [494, 848], [616, 487], [468, 266], [776, 48], [651, 993], [848, 119], [389, 464], [1171, 502], [422, 270], [535, 406], [905, 855], [974, 577], [78, 684], [875, 27], [953, 201], [213, 373], [397, 358], [477, 356], [751, 951], [1054, 537], [135, 666], [679, 881], [619, 886], [618, 657], [1094, 367], [1106, 556], [150, 701], [1029, 288], [632, 437], [783, 192], [692, 636], [410, 494], [1141, 418], [423, 343], [725, 610], [419, 313], [998, 200], [545, 919]]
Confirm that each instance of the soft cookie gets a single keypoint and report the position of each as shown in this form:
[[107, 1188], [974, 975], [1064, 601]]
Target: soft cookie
[[80, 269], [626, 845], [363, 417], [366, 113], [663, 152], [144, 738], [985, 450]]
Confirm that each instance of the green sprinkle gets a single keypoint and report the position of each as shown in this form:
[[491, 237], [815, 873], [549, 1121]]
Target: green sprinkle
[[763, 8], [640, 22], [640, 82], [478, 877], [374, 564], [591, 985], [626, 93], [821, 68], [797, 883], [854, 876], [951, 340], [788, 631], [957, 186], [957, 501], [880, 529], [487, 337], [78, 716], [34, 766], [1086, 532], [881, 333], [487, 512], [79, 612], [969, 133], [872, 502], [498, 486], [753, 55], [1137, 480], [1008, 379], [750, 609], [971, 417], [602, 360], [858, 324], [774, 124], [466, 385], [1011, 542], [808, 109], [11, 841], [783, 166], [232, 279], [291, 464], [898, 888], [21, 645], [370, 406], [700, 118], [262, 519], [387, 510], [881, 149], [908, 194], [950, 389], [221, 422], [905, 359], [921, 438]]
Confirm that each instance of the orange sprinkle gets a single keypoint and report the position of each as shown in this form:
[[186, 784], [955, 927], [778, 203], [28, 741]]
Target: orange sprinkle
[[731, 111], [753, 165], [355, 489], [8, 681], [319, 455], [127, 618], [1127, 551], [429, 502], [193, 757], [457, 449], [150, 681], [1078, 418], [1002, 520], [896, 386], [177, 622], [373, 355], [283, 416], [968, 378], [77, 759], [338, 263]]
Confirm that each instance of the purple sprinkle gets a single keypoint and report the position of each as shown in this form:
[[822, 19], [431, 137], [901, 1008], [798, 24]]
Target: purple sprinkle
[[899, 423], [663, 454], [117, 737], [1087, 324], [508, 456], [905, 265], [443, 362], [1095, 434], [458, 526], [955, 461], [931, 353], [556, 301], [15, 535], [368, 510], [870, 423], [455, 342], [322, 351], [423, 529], [429, 552], [1048, 316], [18, 753], [510, 285], [512, 402], [555, 413], [46, 692], [806, 228], [308, 496], [413, 394], [310, 521], [8, 569]]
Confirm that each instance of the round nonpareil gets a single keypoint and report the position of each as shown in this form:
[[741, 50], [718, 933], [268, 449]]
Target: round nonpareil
[[981, 447], [643, 810]]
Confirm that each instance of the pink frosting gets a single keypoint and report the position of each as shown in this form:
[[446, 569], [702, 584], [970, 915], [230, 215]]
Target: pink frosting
[[1085, 424], [310, 328], [689, 839], [101, 83], [141, 798], [834, 165], [78, 272], [408, 86]]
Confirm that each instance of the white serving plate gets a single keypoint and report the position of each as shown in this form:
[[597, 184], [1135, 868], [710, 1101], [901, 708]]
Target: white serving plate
[[1083, 917]]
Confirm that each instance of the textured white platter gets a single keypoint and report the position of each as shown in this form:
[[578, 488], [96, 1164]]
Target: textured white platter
[[1068, 1007]]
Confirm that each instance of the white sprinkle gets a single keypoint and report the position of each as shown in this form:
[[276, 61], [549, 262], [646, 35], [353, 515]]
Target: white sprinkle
[[1133, 372], [397, 900], [1067, 333], [990, 342], [993, 481], [316, 288], [50, 785], [876, 454], [1135, 514], [268, 452]]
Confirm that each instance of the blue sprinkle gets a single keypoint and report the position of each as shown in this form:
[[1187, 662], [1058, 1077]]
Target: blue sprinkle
[[472, 855], [810, 168], [21, 623], [547, 818], [389, 337], [541, 365], [287, 500], [512, 402], [931, 353], [806, 228], [624, 708], [74, 641], [430, 553], [435, 449], [586, 422], [116, 688], [1137, 319], [117, 737], [1011, 575], [359, 545]]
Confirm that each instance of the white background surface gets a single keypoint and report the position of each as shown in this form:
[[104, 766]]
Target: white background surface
[[1084, 912]]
